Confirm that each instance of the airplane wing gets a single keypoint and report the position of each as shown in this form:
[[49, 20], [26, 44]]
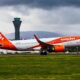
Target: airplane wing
[[49, 47], [43, 44]]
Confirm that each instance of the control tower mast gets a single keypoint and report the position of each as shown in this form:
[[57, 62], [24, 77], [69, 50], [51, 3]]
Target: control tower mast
[[17, 23]]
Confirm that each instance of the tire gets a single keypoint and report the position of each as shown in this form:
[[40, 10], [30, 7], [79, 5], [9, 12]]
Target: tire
[[43, 52]]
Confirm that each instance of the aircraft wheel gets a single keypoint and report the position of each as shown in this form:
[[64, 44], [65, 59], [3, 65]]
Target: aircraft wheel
[[43, 52]]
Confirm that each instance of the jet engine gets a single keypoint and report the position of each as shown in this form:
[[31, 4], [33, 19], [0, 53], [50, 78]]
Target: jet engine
[[58, 48]]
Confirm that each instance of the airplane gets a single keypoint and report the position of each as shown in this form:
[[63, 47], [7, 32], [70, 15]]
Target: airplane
[[20, 45], [61, 44], [44, 45]]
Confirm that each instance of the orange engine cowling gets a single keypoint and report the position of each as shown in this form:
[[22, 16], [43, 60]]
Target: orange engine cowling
[[59, 48]]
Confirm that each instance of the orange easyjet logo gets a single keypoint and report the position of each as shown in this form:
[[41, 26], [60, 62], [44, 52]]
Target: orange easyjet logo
[[2, 38], [67, 39]]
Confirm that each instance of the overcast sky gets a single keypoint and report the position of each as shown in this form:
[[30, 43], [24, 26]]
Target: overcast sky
[[62, 16]]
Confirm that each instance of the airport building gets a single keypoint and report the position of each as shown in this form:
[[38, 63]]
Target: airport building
[[17, 23]]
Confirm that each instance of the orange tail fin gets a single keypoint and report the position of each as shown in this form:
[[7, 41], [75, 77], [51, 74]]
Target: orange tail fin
[[5, 43]]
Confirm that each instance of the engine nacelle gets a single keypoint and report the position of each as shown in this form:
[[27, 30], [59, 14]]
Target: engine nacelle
[[58, 48]]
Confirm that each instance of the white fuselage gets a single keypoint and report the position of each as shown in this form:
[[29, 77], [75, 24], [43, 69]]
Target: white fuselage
[[25, 44]]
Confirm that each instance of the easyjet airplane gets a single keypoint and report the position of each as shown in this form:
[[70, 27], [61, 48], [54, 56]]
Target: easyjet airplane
[[44, 45]]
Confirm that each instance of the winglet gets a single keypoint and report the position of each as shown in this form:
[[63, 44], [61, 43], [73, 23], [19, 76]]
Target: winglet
[[37, 38], [43, 44]]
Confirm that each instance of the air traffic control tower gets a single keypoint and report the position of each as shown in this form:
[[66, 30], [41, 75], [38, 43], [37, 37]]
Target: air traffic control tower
[[17, 23]]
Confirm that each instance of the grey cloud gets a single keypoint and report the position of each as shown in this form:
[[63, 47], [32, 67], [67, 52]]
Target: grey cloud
[[63, 19], [40, 3], [66, 15]]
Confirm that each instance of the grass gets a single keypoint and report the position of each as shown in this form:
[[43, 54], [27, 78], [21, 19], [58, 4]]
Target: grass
[[35, 67]]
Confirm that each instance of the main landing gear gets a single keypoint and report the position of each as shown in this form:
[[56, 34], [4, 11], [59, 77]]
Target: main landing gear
[[43, 51]]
